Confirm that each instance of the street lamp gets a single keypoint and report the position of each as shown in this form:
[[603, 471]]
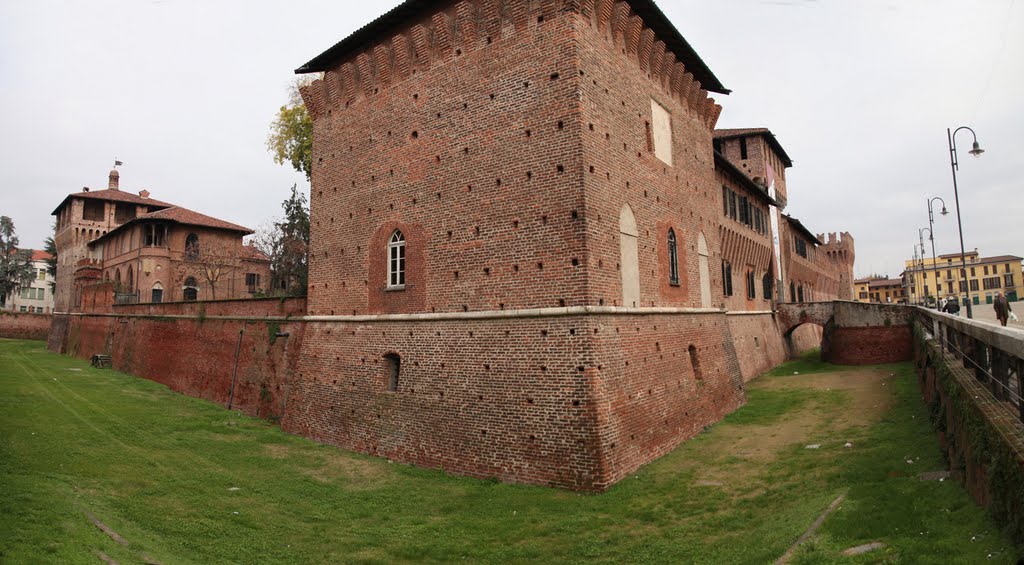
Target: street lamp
[[976, 150], [920, 236], [931, 237]]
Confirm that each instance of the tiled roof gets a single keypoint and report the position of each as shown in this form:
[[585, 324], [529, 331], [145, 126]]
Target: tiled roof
[[112, 196], [40, 255], [179, 215], [252, 253], [736, 132], [192, 218], [767, 133], [977, 261], [885, 283], [382, 29]]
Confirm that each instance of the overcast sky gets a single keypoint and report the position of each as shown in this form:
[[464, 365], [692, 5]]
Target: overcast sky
[[859, 93]]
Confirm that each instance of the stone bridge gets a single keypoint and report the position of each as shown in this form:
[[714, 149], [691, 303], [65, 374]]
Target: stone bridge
[[854, 333]]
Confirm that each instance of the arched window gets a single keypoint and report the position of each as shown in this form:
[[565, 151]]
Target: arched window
[[192, 247], [190, 291], [396, 261], [117, 276], [392, 367], [629, 257], [705, 271], [673, 258], [792, 292], [767, 283], [158, 293], [131, 278]]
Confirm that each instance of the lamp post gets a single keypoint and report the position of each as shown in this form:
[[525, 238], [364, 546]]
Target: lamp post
[[915, 263], [976, 150], [920, 236], [931, 237]]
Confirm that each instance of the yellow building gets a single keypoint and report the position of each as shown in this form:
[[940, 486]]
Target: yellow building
[[984, 277], [880, 289]]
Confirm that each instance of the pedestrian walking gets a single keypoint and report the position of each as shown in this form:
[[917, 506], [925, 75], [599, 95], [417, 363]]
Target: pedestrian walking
[[1002, 308]]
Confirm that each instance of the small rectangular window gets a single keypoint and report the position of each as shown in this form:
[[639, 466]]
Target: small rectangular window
[[751, 288], [725, 201], [661, 132], [743, 148], [158, 295]]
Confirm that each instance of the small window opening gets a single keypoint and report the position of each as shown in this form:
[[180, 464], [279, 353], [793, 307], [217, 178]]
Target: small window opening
[[695, 363], [392, 368], [673, 258]]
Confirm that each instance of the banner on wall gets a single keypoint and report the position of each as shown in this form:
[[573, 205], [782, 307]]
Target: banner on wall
[[776, 243]]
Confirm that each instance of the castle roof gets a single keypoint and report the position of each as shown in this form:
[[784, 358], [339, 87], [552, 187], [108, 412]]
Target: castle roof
[[759, 191], [179, 215], [112, 195], [803, 229], [382, 28], [750, 132]]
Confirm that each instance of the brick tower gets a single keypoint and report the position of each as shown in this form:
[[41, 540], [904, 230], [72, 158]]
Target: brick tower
[[513, 214]]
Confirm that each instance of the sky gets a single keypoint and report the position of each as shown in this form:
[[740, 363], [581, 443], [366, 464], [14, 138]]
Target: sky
[[860, 95]]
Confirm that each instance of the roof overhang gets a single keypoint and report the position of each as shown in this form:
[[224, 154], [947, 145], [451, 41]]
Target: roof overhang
[[387, 25], [803, 229]]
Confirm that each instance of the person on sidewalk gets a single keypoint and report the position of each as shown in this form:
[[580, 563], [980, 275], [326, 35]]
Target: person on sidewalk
[[1002, 308], [952, 307]]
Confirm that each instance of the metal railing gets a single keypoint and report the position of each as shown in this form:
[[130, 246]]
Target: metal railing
[[993, 355]]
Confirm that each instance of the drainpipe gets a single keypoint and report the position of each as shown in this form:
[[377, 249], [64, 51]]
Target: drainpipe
[[234, 372]]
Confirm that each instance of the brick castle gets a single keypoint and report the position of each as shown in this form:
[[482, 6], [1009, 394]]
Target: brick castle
[[533, 257]]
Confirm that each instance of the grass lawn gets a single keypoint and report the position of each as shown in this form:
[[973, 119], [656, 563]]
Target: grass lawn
[[184, 481]]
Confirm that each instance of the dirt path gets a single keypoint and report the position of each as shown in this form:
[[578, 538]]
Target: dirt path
[[869, 398]]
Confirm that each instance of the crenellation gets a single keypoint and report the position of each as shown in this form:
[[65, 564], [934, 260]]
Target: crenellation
[[442, 35], [382, 62]]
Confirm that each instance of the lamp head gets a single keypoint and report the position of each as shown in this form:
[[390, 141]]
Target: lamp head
[[976, 150], [944, 211]]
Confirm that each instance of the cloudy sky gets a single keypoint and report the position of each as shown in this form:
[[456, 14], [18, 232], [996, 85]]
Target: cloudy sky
[[859, 93]]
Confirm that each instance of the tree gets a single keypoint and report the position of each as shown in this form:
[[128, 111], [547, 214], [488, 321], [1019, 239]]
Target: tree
[[291, 133], [50, 246], [15, 264], [209, 261], [286, 243]]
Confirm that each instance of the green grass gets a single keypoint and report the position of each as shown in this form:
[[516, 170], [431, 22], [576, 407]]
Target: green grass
[[808, 362], [158, 467]]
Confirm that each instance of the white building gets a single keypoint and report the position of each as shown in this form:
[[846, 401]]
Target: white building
[[38, 297]]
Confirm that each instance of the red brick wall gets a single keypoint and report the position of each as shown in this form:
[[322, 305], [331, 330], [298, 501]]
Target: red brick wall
[[18, 325], [197, 356], [871, 345], [652, 398], [758, 343], [470, 149], [619, 168]]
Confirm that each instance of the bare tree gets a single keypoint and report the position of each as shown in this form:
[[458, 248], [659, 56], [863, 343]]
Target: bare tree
[[209, 261]]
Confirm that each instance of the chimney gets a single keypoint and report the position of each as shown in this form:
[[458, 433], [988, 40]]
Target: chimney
[[144, 193], [85, 189], [113, 179]]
